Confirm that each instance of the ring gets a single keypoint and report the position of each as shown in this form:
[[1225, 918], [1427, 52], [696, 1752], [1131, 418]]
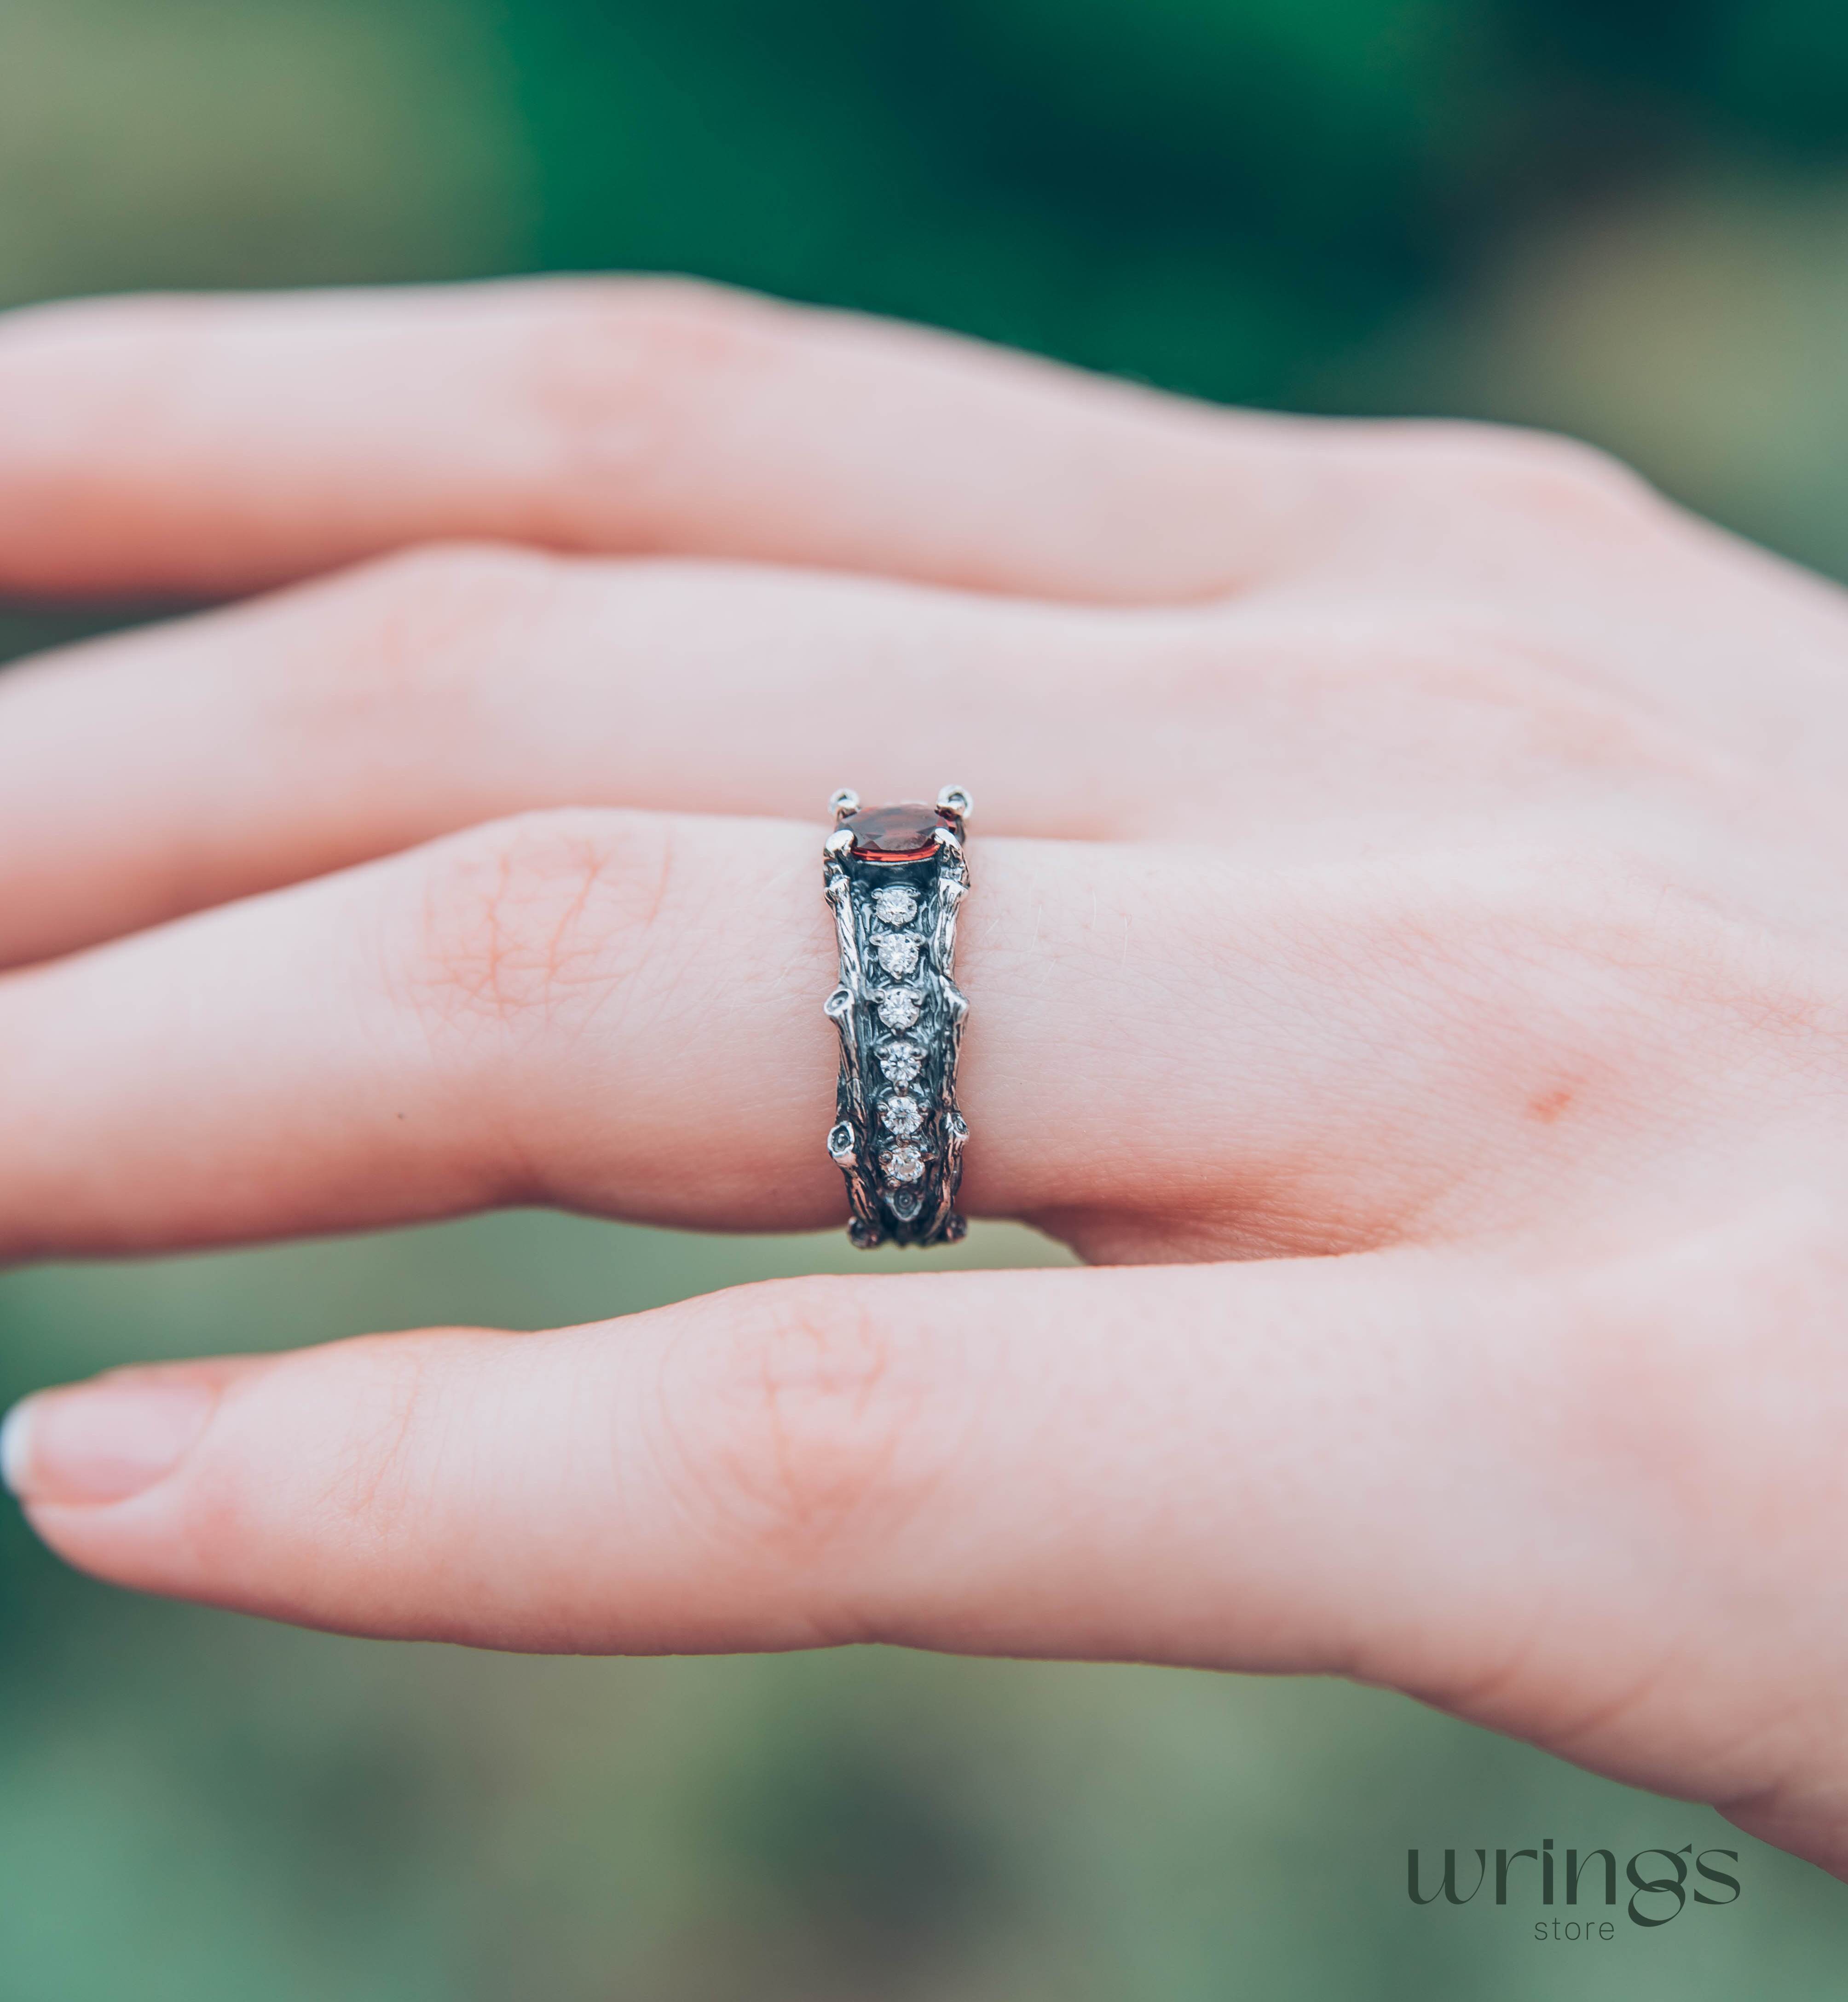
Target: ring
[[896, 877]]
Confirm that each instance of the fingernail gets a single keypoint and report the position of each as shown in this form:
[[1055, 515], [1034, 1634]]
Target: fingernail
[[13, 1447], [104, 1440]]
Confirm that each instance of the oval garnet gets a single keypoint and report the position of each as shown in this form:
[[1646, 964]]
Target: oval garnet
[[896, 834]]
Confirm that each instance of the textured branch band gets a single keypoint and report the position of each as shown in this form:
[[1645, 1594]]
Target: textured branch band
[[896, 877]]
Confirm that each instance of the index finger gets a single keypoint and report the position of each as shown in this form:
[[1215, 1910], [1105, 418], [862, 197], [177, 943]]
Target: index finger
[[208, 446]]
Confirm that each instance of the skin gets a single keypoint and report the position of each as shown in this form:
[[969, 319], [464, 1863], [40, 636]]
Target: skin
[[1408, 961]]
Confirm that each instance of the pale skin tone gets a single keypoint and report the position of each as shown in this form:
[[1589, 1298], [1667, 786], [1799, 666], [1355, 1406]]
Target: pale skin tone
[[1408, 958]]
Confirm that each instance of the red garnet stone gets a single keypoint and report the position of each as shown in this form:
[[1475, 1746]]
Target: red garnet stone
[[897, 834]]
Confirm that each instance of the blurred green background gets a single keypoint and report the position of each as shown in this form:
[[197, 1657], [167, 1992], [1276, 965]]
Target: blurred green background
[[1627, 218]]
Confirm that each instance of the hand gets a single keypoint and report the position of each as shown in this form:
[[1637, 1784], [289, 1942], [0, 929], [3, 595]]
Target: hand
[[1409, 914]]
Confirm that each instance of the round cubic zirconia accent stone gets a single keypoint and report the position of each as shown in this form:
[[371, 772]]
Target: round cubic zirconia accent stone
[[903, 1164], [901, 1062], [895, 906], [903, 1115], [899, 1007], [898, 952]]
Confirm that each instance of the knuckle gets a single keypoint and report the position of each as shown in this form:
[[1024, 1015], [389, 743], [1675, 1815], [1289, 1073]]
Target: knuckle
[[1416, 674], [1529, 694], [1589, 968], [794, 1420], [1709, 1377], [1568, 928], [1540, 475], [531, 924], [614, 373], [418, 622]]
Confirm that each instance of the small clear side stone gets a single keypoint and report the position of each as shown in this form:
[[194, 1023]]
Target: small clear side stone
[[901, 1062], [903, 1164], [899, 1007], [895, 906], [903, 1115], [898, 952]]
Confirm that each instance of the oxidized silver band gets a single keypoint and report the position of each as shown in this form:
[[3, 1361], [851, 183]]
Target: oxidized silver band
[[895, 878]]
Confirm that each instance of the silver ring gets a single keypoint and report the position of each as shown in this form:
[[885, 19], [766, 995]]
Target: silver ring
[[896, 877]]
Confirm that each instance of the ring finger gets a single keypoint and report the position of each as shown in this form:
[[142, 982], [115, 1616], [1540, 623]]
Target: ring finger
[[620, 1012]]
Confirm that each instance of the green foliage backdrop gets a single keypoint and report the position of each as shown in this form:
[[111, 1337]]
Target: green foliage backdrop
[[1626, 217]]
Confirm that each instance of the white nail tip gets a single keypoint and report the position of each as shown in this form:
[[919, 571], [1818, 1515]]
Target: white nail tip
[[15, 1434]]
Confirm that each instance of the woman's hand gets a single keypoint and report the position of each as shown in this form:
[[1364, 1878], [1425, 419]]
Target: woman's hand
[[1410, 914]]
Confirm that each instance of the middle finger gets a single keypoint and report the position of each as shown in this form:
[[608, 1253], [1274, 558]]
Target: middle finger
[[158, 771]]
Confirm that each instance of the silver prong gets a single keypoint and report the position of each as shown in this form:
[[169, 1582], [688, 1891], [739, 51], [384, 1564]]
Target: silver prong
[[843, 803], [838, 842], [955, 800], [947, 837]]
